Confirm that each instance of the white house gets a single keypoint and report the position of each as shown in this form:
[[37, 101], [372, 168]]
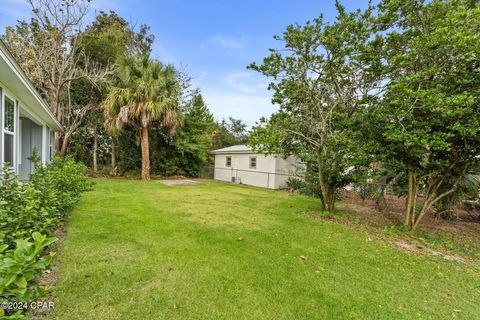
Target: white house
[[240, 164], [25, 118]]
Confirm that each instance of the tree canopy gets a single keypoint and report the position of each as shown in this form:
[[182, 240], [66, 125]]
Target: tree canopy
[[428, 122], [320, 81], [396, 85], [146, 92]]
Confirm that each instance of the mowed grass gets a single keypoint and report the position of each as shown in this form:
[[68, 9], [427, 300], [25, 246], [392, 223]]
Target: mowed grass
[[136, 250]]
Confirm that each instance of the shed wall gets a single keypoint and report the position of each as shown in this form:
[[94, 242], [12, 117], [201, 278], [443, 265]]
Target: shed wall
[[271, 171]]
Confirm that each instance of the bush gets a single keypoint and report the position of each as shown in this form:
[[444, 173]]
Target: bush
[[61, 181], [309, 186], [20, 268], [22, 209], [295, 184], [30, 211]]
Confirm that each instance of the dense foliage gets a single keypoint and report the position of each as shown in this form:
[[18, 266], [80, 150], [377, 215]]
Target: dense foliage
[[394, 87], [50, 50], [106, 40], [427, 124], [229, 132], [320, 81], [146, 92], [182, 154], [187, 152], [30, 211], [84, 75], [20, 268]]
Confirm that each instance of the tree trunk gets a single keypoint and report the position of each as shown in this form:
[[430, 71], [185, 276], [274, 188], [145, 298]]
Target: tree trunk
[[430, 199], [57, 142], [95, 148], [145, 154], [64, 145], [328, 192], [113, 165], [410, 210]]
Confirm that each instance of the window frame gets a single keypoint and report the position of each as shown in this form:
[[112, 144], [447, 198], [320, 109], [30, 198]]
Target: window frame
[[20, 129], [11, 164], [4, 131], [250, 162], [50, 145], [228, 161], [5, 97]]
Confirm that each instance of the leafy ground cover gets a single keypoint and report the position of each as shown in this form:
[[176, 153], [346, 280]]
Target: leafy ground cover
[[142, 250]]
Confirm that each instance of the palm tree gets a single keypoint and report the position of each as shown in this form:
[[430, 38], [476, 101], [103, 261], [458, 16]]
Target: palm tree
[[146, 92]]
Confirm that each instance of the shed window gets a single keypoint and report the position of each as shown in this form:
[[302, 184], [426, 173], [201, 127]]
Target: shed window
[[253, 162], [228, 162]]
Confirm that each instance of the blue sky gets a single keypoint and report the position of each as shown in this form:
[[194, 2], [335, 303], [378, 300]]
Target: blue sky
[[213, 40]]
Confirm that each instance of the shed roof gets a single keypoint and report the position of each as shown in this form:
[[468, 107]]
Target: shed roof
[[240, 148]]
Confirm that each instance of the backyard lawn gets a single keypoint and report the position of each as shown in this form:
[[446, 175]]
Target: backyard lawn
[[137, 250]]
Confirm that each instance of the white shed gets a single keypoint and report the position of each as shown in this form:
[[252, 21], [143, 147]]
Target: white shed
[[240, 164]]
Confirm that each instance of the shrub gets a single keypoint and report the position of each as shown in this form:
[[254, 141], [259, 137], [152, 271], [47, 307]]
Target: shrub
[[20, 268], [22, 209], [61, 181], [309, 186], [295, 184], [29, 212]]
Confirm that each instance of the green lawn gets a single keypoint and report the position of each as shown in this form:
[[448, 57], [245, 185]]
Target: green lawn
[[137, 250]]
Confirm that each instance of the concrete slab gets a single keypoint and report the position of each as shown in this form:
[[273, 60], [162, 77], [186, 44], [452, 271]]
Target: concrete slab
[[179, 182]]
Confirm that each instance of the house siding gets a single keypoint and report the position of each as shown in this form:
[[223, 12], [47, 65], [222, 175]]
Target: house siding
[[28, 104], [1, 125], [31, 135], [285, 168], [31, 138]]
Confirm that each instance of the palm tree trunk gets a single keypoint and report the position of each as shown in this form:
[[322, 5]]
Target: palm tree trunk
[[145, 154], [113, 164]]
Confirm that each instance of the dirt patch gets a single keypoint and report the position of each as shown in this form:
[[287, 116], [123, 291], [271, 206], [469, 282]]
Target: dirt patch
[[392, 213], [460, 235], [179, 182], [416, 248]]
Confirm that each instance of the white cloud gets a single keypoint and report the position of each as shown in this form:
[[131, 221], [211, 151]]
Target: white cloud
[[239, 94], [244, 81], [249, 108], [229, 42]]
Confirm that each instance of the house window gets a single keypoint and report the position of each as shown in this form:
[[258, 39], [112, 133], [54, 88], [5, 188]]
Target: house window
[[228, 162], [253, 162], [9, 124], [8, 148], [51, 146], [9, 130]]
